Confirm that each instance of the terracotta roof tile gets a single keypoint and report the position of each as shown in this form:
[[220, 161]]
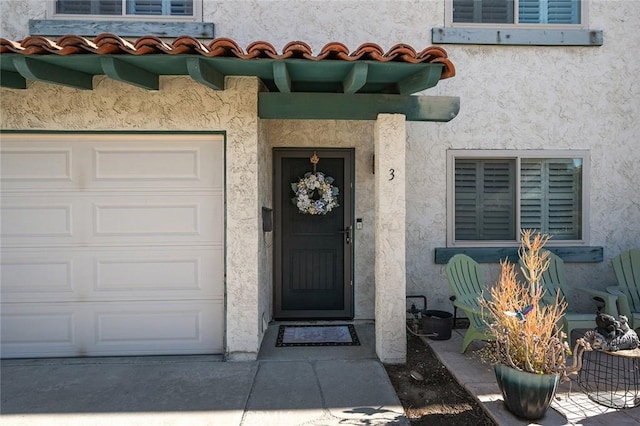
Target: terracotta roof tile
[[107, 43]]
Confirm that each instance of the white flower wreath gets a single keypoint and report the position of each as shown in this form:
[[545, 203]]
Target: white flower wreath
[[315, 193]]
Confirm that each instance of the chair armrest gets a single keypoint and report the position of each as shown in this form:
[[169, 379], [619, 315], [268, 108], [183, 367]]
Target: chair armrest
[[609, 299], [614, 289]]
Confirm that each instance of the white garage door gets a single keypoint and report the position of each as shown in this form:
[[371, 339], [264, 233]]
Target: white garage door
[[112, 244]]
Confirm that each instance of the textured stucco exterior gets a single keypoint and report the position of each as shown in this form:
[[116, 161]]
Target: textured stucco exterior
[[512, 97], [390, 207], [180, 104], [343, 134]]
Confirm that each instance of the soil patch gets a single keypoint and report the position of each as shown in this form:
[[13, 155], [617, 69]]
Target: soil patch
[[438, 399]]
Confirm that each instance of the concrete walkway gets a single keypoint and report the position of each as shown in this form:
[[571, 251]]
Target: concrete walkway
[[317, 386], [570, 407], [286, 386]]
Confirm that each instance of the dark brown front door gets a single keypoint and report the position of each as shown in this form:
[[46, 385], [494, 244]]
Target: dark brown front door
[[313, 252]]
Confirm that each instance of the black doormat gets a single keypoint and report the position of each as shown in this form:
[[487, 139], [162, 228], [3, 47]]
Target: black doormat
[[317, 335]]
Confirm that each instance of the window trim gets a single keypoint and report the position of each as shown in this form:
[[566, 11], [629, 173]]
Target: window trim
[[197, 15], [517, 155], [584, 20]]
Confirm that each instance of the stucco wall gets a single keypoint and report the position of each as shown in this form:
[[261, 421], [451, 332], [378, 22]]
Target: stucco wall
[[343, 134], [180, 104], [523, 97], [265, 239]]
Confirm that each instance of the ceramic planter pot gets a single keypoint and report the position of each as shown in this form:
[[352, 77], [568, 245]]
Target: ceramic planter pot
[[526, 395]]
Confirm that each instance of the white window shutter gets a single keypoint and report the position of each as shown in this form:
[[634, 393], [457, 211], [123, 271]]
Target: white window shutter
[[485, 200], [549, 11], [551, 197], [564, 12], [483, 11], [89, 7], [160, 7]]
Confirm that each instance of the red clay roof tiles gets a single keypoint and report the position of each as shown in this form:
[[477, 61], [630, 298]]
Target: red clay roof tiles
[[223, 47]]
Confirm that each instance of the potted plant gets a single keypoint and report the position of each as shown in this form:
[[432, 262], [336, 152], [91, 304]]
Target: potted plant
[[529, 349]]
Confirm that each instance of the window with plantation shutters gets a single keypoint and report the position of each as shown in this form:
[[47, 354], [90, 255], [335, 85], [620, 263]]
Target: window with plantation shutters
[[497, 193], [483, 11], [178, 8], [560, 12], [551, 197], [549, 11], [88, 7], [485, 200], [160, 7]]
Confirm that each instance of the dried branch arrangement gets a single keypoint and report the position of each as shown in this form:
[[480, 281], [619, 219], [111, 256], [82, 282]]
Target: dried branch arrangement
[[528, 333]]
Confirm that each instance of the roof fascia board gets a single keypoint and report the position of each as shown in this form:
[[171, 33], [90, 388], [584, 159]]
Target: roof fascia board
[[337, 106]]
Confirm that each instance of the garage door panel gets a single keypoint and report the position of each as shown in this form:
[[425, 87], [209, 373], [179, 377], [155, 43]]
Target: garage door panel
[[192, 326], [161, 276], [111, 244], [151, 163], [34, 330], [35, 166], [102, 329], [112, 218], [185, 218], [24, 220], [77, 162], [115, 274], [30, 278]]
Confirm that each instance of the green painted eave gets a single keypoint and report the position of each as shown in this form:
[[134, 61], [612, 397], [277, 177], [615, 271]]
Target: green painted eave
[[285, 75], [298, 89], [336, 106]]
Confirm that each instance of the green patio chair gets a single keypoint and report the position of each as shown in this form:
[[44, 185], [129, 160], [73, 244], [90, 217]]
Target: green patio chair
[[467, 284], [627, 269], [555, 284]]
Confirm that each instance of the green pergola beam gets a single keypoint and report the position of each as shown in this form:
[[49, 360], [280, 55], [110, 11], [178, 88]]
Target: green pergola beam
[[422, 80], [203, 73], [120, 70], [281, 77], [337, 106], [34, 69], [12, 80], [356, 78]]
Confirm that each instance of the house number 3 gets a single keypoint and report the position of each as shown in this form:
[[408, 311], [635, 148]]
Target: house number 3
[[392, 174]]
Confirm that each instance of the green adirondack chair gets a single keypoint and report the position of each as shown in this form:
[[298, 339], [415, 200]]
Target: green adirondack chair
[[467, 284], [627, 269], [555, 284]]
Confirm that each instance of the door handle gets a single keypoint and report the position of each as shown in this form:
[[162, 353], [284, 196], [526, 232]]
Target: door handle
[[347, 234]]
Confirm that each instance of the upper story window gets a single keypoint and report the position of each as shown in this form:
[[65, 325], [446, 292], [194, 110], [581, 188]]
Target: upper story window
[[127, 8], [494, 194], [518, 12]]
